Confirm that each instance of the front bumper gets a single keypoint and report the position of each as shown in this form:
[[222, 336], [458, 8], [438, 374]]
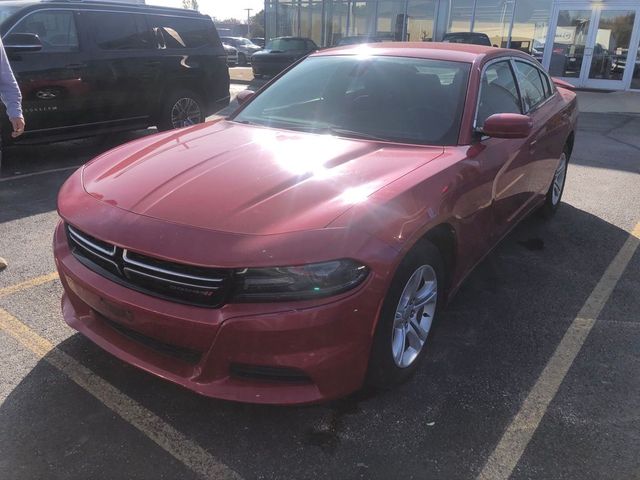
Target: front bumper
[[326, 344]]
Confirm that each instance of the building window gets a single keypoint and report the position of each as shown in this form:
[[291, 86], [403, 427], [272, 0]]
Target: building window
[[530, 26], [493, 18], [460, 15], [420, 17]]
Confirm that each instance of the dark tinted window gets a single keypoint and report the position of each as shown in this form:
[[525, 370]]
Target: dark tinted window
[[311, 45], [406, 100], [118, 31], [498, 92], [176, 32], [55, 28], [533, 91], [287, 44]]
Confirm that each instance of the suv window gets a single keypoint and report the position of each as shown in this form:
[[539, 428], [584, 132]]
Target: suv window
[[117, 31], [176, 32], [498, 92], [533, 92], [55, 28]]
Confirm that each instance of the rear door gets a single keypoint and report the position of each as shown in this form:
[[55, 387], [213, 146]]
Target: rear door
[[541, 103], [122, 64], [52, 80]]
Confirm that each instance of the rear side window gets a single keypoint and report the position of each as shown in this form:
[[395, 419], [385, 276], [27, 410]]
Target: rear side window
[[55, 28], [179, 33], [118, 31], [498, 92], [533, 91]]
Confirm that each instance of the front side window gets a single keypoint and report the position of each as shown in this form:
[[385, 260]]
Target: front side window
[[56, 29], [533, 92], [117, 31], [498, 92], [396, 99]]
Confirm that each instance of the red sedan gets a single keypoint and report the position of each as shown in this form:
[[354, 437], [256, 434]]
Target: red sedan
[[305, 245]]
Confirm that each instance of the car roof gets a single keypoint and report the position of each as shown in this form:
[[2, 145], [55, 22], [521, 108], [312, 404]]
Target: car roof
[[89, 4], [458, 52]]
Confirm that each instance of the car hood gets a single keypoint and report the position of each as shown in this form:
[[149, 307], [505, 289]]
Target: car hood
[[238, 178]]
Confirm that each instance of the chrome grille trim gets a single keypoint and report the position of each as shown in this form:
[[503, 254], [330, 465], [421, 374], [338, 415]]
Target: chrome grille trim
[[103, 258], [128, 260], [200, 286], [168, 280], [85, 242]]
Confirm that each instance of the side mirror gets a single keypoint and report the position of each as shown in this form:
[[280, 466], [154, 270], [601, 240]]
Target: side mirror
[[22, 42], [244, 95], [507, 125]]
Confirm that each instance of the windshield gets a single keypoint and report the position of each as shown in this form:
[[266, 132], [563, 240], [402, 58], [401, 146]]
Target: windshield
[[286, 44], [7, 11], [405, 100]]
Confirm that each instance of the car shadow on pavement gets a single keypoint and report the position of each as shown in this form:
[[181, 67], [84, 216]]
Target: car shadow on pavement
[[26, 194], [490, 346]]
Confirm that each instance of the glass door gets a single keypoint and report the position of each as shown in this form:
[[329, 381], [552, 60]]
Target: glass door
[[590, 45]]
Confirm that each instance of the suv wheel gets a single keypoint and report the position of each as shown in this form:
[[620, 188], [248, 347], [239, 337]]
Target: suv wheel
[[182, 108]]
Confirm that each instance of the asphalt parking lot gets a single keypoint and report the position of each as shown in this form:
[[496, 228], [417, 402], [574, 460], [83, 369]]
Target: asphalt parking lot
[[532, 372]]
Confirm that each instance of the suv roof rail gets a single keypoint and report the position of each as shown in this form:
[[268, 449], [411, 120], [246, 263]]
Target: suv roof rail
[[122, 3]]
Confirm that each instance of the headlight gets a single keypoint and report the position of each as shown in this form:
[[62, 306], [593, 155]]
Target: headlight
[[298, 283]]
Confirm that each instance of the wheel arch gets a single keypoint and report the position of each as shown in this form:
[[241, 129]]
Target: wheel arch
[[443, 237], [571, 141]]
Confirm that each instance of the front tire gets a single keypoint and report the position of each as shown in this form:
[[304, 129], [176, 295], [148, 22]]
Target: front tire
[[182, 108], [407, 317], [554, 194]]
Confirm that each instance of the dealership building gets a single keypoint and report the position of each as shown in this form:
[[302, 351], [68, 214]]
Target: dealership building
[[591, 44]]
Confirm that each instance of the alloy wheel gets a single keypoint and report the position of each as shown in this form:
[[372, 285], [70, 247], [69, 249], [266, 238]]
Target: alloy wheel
[[559, 179], [414, 316], [185, 112]]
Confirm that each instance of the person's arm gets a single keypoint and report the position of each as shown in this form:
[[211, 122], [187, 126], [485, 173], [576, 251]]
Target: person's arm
[[10, 94]]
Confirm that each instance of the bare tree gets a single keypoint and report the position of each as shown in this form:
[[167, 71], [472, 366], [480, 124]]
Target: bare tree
[[190, 4]]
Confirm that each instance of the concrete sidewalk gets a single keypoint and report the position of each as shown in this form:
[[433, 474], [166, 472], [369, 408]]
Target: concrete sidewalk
[[609, 102]]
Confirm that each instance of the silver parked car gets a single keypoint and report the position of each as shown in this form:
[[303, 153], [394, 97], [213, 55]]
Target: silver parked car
[[245, 48], [232, 55]]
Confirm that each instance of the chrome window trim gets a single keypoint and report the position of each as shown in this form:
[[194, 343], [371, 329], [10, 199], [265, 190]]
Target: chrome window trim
[[167, 280], [506, 59], [128, 260], [88, 243], [80, 10]]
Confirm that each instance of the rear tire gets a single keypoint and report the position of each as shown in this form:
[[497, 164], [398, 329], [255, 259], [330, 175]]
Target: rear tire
[[554, 194], [404, 326], [182, 108]]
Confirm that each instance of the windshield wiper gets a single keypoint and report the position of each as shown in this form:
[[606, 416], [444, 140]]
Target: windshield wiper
[[353, 134]]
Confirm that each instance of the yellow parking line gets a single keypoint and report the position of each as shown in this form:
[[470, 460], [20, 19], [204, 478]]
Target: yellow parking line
[[518, 434], [168, 438], [34, 282]]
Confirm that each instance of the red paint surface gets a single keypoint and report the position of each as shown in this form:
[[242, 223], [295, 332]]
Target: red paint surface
[[229, 195]]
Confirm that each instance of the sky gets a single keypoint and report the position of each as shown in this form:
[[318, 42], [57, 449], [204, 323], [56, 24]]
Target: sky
[[220, 9]]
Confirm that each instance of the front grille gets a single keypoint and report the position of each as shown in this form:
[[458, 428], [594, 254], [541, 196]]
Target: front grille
[[201, 286]]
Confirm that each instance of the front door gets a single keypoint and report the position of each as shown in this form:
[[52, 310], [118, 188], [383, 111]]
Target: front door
[[590, 44], [54, 90]]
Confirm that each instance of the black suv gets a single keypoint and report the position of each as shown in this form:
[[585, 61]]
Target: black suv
[[91, 67]]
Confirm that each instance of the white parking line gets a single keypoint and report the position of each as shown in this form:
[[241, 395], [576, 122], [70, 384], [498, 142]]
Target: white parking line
[[518, 434], [33, 174], [168, 438]]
